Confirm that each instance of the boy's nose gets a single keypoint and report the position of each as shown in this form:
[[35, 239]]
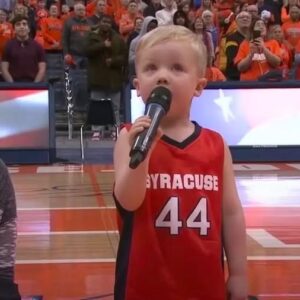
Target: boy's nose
[[162, 77], [162, 81]]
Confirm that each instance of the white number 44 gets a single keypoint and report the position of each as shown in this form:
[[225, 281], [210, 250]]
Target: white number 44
[[169, 217]]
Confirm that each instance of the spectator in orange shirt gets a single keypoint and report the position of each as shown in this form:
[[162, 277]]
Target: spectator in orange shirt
[[276, 33], [52, 29], [214, 74], [111, 7], [128, 19], [291, 29], [256, 57], [65, 13], [6, 30], [41, 12], [285, 10], [100, 11], [120, 11]]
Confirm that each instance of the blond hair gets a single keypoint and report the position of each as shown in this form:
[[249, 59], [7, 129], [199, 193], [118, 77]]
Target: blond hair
[[163, 34]]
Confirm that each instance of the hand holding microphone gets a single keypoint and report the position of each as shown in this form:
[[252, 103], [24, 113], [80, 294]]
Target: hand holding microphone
[[157, 106]]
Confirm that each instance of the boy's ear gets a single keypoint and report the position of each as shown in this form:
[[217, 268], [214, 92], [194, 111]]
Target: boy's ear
[[136, 85], [200, 86]]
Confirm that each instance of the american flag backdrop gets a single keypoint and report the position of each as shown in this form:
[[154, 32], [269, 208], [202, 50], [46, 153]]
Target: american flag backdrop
[[24, 119], [245, 117]]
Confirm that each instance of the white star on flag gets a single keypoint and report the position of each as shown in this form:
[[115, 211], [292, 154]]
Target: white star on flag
[[224, 103]]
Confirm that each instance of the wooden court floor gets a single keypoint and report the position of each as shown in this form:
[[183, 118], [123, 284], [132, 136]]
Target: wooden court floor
[[67, 232]]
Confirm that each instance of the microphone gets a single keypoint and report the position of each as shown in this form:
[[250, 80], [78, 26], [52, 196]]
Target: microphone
[[157, 105]]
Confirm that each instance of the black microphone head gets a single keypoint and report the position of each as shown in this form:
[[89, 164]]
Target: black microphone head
[[162, 96]]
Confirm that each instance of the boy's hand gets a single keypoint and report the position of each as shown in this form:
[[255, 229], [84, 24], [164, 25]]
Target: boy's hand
[[138, 126], [237, 288]]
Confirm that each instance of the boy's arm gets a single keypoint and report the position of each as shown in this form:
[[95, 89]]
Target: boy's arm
[[234, 232], [130, 184]]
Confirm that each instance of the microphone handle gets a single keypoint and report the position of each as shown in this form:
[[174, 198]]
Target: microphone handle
[[145, 139]]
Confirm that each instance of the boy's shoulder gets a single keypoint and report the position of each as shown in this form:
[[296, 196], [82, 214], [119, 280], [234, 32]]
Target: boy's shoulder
[[212, 132]]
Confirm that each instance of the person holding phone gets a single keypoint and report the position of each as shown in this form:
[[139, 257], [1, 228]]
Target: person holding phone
[[257, 56]]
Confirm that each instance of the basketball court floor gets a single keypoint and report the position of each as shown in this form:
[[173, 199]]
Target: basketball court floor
[[67, 231]]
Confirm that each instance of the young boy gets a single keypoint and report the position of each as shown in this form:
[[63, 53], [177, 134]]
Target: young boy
[[179, 208]]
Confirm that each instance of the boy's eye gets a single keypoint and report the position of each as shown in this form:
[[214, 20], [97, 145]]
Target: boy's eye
[[150, 67], [177, 67]]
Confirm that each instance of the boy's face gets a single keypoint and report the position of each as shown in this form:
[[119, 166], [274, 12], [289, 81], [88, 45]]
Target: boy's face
[[172, 64]]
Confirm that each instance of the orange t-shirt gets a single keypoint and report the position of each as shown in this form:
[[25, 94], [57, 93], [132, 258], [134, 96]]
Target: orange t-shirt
[[40, 15], [6, 33], [127, 24], [65, 17], [286, 56], [284, 15], [214, 74], [39, 38], [52, 32], [291, 31], [259, 65], [111, 7]]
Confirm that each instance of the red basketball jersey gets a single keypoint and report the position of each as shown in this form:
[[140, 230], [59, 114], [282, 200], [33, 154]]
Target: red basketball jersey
[[171, 247]]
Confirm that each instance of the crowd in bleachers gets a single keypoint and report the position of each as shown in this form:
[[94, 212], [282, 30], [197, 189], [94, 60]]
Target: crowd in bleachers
[[228, 28], [245, 39]]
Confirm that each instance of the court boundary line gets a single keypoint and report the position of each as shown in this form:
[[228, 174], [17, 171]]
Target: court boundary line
[[113, 260]]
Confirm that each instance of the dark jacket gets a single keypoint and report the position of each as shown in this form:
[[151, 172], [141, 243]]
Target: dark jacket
[[233, 42], [101, 75]]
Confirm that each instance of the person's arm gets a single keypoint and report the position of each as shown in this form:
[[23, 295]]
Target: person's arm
[[120, 58], [126, 25], [273, 59], [130, 184], [244, 56], [66, 37], [5, 73], [45, 32], [211, 48], [245, 63], [94, 45], [40, 76], [41, 58], [234, 232]]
